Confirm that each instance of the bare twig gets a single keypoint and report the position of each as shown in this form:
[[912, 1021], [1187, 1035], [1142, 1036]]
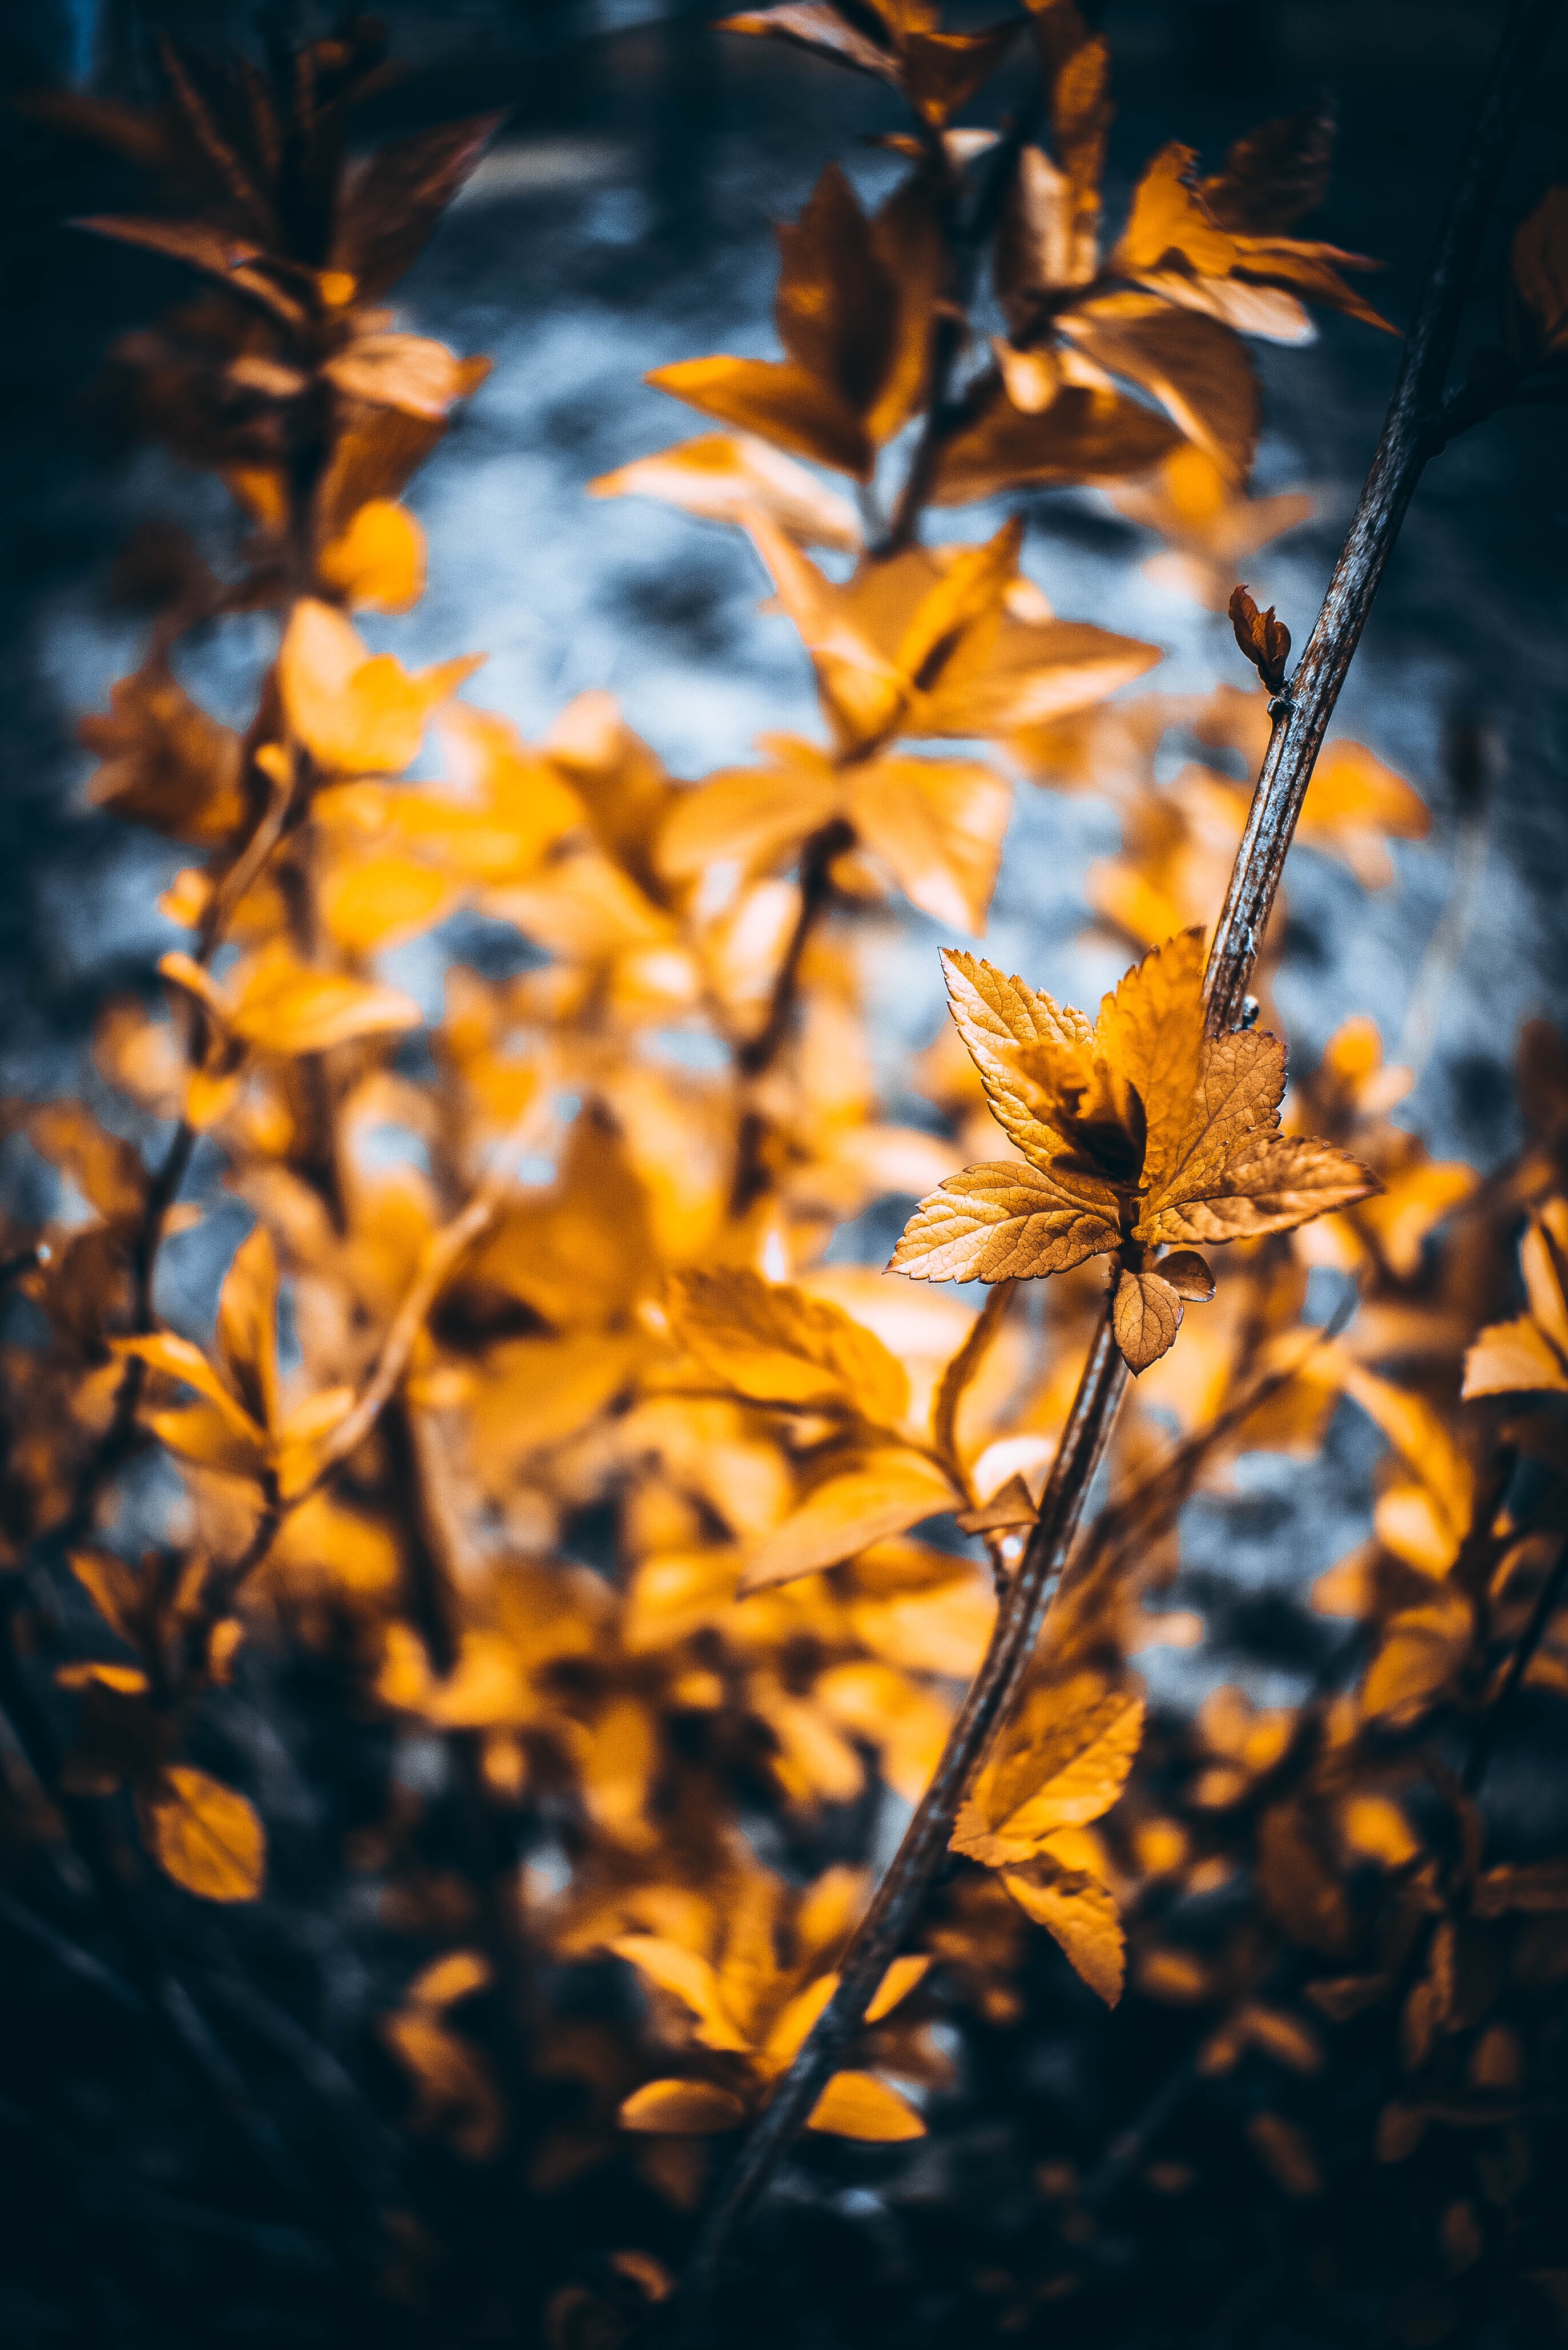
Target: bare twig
[[1301, 717], [1411, 434]]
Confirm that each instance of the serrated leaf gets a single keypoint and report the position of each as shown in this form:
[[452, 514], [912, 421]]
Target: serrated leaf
[[1064, 1761], [1080, 1913], [1004, 1222], [1146, 1316]]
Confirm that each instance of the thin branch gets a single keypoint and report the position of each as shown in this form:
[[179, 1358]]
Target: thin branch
[[1301, 718], [967, 238], [1412, 433]]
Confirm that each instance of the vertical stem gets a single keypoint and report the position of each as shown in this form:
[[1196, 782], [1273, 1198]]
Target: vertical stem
[[1410, 436], [1301, 719]]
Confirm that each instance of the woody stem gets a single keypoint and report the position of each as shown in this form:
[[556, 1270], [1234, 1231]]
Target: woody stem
[[1301, 719], [1412, 432]]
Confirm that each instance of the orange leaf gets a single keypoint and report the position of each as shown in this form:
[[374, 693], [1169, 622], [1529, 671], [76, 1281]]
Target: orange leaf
[[204, 1834], [860, 2106], [682, 2108], [1147, 1315]]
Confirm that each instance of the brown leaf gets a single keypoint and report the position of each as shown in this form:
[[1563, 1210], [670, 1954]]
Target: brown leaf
[[1004, 1221], [1195, 367], [1265, 641], [1189, 1275], [412, 372], [815, 26], [941, 71], [393, 199], [1011, 1505], [1274, 174], [1146, 1316], [1280, 1181], [163, 762], [1083, 436]]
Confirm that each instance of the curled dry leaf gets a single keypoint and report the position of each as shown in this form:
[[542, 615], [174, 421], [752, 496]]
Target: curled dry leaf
[[1265, 641]]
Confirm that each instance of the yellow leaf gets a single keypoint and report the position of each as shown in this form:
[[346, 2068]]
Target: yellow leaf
[[794, 2021], [772, 1342], [1080, 1913], [1063, 1762], [447, 1980], [211, 1438], [204, 1833], [1007, 1026], [757, 817], [1422, 1647], [689, 1978], [1419, 1435], [896, 1984], [1513, 1359], [177, 1358], [355, 715], [777, 400], [1146, 1316], [1378, 1829], [1002, 1222], [860, 2106], [285, 1007], [682, 2108], [1151, 1032], [722, 476], [1353, 805], [127, 1680], [939, 824], [885, 1494], [379, 562], [247, 1325]]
